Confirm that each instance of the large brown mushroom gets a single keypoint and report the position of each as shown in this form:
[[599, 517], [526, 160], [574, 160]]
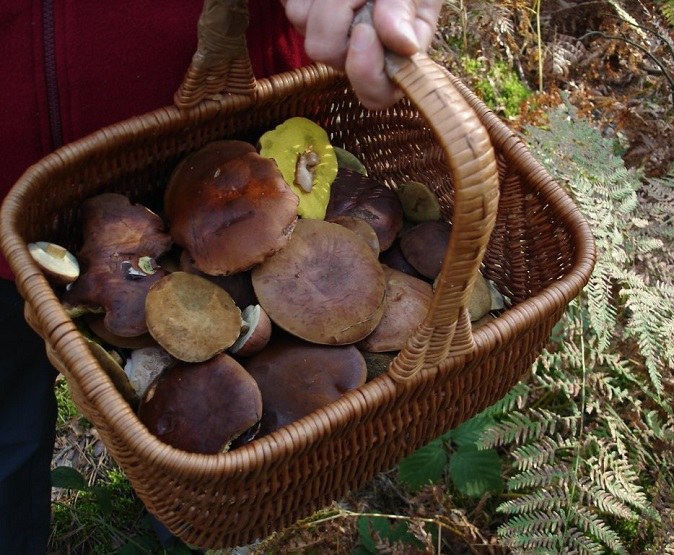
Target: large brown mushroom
[[296, 378], [191, 317], [122, 242], [355, 194], [229, 207], [326, 286], [201, 407]]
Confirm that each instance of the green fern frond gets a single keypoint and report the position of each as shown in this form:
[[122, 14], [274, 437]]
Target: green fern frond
[[532, 523], [543, 451], [549, 499], [544, 476], [591, 524], [604, 501], [577, 542]]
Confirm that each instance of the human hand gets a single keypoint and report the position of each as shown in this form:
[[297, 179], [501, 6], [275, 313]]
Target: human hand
[[401, 26]]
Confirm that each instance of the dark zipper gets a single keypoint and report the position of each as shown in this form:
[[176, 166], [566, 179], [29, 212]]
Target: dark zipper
[[53, 102]]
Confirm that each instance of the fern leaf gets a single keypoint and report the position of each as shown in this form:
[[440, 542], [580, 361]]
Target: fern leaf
[[549, 499], [543, 476], [597, 528]]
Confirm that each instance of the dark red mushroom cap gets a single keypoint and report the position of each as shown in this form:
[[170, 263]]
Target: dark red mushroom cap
[[355, 194], [201, 407], [121, 244], [296, 378], [229, 207]]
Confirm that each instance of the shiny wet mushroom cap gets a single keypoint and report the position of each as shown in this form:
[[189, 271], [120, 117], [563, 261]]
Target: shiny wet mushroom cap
[[326, 286], [201, 407], [229, 207]]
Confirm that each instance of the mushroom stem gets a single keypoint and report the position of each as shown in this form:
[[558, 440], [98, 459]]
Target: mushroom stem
[[305, 169]]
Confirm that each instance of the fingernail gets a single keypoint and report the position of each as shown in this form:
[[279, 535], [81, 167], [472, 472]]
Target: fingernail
[[407, 33], [362, 37]]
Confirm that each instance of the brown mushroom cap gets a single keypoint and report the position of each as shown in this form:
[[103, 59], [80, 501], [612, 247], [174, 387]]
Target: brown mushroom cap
[[296, 378], [408, 300], [361, 228], [121, 244], [229, 207], [238, 285], [97, 325], [424, 246], [201, 407], [355, 194], [191, 317], [326, 286]]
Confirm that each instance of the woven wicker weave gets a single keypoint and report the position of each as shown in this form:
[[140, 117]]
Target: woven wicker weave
[[509, 218]]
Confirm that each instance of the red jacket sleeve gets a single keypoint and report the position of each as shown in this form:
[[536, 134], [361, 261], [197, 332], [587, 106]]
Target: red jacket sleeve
[[83, 65]]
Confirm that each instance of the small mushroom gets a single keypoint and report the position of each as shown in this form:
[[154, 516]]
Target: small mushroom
[[257, 328], [358, 195], [303, 153], [424, 246], [201, 407], [296, 378], [122, 242], [326, 286], [58, 263], [229, 207], [111, 364], [393, 257], [418, 201], [191, 317], [349, 161], [361, 228], [408, 300]]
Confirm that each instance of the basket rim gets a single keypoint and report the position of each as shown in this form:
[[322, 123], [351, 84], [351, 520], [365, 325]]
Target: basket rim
[[64, 337]]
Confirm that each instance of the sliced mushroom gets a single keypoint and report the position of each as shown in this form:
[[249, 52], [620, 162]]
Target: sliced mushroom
[[229, 207], [408, 300], [58, 263], [303, 153], [191, 317], [201, 407], [326, 286], [358, 195], [122, 242], [296, 378]]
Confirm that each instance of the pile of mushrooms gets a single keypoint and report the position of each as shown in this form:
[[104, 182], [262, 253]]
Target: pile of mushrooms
[[276, 278]]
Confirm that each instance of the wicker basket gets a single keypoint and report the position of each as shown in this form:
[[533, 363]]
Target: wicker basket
[[510, 219]]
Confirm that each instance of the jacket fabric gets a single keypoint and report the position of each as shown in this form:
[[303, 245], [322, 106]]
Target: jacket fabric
[[70, 67]]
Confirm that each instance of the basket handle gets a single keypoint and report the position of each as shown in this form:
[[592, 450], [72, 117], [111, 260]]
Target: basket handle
[[221, 64], [446, 330]]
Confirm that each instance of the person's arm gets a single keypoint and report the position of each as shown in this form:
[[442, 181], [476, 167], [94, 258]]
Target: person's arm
[[402, 26]]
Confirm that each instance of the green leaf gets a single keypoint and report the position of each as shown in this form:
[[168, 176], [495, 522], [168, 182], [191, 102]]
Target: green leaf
[[471, 430], [103, 499], [475, 472], [68, 478], [424, 465]]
